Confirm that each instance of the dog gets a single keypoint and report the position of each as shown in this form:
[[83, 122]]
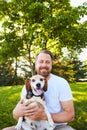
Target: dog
[[35, 88]]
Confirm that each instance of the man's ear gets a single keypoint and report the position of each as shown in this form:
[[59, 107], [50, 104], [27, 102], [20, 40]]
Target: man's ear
[[45, 85]]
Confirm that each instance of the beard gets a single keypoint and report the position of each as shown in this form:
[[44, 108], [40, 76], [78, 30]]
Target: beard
[[44, 71]]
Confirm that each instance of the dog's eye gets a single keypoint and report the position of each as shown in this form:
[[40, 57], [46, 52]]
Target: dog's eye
[[33, 80], [41, 79]]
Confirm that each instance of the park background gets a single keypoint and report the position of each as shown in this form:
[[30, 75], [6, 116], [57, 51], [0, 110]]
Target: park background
[[28, 26]]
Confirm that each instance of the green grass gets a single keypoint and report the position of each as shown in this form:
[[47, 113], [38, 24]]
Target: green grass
[[9, 96], [79, 91]]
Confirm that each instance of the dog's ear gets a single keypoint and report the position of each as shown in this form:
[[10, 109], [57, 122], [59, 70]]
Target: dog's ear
[[45, 85], [27, 84]]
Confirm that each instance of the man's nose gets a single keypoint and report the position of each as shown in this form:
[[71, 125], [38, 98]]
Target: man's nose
[[44, 64]]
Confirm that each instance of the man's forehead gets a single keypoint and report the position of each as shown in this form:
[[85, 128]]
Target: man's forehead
[[44, 56]]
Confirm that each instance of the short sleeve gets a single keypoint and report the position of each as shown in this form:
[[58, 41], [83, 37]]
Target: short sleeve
[[65, 93]]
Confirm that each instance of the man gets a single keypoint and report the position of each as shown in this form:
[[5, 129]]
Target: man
[[58, 97]]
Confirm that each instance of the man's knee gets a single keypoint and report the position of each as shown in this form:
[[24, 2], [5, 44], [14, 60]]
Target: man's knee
[[64, 128], [9, 128]]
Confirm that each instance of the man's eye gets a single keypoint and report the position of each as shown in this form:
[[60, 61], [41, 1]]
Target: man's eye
[[41, 61], [33, 80], [47, 62]]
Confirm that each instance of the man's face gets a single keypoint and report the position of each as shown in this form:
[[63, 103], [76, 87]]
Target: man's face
[[43, 64]]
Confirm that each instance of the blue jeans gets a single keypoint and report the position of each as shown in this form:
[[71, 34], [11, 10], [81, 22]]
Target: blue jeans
[[66, 127]]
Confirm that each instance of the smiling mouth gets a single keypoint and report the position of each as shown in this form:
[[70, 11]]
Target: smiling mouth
[[43, 69], [38, 91]]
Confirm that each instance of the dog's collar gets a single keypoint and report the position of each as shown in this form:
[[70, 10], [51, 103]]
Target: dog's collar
[[41, 96], [30, 94], [37, 95]]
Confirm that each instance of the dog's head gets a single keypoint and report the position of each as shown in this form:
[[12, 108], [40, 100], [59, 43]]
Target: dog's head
[[37, 84]]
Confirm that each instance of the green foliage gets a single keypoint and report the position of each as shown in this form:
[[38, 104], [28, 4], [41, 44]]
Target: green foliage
[[70, 67], [32, 25], [8, 76], [64, 68], [9, 96], [80, 69]]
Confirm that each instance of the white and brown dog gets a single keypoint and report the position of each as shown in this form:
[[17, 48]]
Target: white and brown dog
[[37, 84]]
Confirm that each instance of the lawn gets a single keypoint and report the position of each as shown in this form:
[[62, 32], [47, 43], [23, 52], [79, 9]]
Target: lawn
[[9, 97]]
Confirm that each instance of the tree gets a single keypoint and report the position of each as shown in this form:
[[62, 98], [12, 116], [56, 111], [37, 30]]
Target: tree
[[69, 66], [32, 25], [65, 69], [80, 70], [6, 74]]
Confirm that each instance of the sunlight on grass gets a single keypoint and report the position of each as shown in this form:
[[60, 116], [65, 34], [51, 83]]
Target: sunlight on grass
[[79, 96], [5, 88], [14, 96], [79, 91]]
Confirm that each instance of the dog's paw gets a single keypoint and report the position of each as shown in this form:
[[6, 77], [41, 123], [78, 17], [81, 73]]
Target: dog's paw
[[51, 123], [17, 127]]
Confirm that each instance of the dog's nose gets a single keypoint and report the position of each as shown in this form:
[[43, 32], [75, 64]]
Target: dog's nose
[[38, 85]]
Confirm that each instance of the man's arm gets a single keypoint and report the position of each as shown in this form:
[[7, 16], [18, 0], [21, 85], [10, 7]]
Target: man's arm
[[67, 115], [18, 110], [35, 111]]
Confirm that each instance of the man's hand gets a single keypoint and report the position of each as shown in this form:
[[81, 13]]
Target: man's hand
[[35, 111], [19, 110]]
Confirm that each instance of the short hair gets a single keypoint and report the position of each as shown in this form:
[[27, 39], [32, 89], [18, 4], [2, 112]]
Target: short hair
[[46, 52]]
